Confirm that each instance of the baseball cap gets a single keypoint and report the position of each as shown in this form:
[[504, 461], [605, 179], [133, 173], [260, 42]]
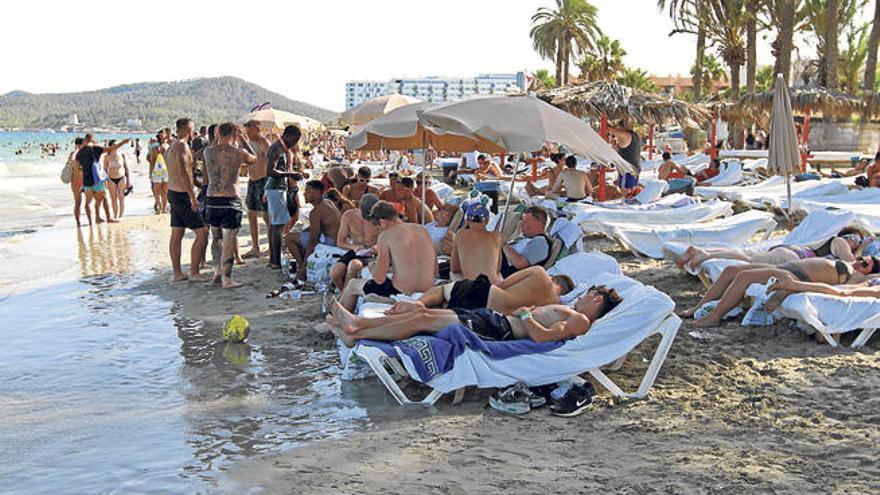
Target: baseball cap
[[476, 212]]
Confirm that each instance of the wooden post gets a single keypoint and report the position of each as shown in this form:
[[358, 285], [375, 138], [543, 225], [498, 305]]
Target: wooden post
[[805, 140], [712, 139], [603, 131], [651, 142], [534, 162]]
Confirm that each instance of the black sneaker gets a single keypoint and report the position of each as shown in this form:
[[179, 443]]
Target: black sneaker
[[578, 399], [515, 399]]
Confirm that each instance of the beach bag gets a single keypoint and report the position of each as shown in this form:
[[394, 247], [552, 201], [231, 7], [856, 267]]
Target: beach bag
[[320, 261], [67, 173]]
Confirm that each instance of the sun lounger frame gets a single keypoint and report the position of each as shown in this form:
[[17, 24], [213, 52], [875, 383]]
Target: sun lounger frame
[[389, 369]]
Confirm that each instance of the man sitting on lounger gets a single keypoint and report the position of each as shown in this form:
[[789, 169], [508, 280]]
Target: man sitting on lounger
[[476, 251], [531, 286], [540, 324], [576, 183], [731, 286], [407, 247], [531, 249]]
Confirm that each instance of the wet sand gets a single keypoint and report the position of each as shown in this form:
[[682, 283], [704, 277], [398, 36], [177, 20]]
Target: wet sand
[[734, 410]]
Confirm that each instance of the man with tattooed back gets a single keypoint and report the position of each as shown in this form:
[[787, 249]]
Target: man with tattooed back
[[223, 160]]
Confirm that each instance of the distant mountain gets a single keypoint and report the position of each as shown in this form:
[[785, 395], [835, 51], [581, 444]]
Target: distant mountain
[[154, 105]]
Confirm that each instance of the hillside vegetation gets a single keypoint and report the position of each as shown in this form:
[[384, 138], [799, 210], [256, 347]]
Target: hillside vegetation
[[155, 104]]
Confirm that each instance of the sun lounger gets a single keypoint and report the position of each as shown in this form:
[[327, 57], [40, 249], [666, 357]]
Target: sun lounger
[[864, 204], [731, 173], [587, 215], [653, 190], [772, 192], [643, 313], [816, 228], [649, 239], [828, 315]]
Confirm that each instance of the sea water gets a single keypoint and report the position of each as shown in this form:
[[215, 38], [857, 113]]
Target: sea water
[[108, 388]]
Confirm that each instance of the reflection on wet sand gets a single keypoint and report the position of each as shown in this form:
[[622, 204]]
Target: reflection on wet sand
[[104, 249]]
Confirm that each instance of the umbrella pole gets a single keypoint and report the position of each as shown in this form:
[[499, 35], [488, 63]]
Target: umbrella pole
[[651, 143], [507, 201], [788, 187], [603, 131], [424, 173], [805, 140], [712, 150]]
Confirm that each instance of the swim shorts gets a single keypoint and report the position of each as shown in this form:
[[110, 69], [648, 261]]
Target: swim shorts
[[350, 256], [305, 237], [488, 324], [468, 294], [276, 205], [628, 181], [254, 197], [182, 214], [224, 212], [385, 289], [98, 187]]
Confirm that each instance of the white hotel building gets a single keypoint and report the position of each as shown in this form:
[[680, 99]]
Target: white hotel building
[[435, 88]]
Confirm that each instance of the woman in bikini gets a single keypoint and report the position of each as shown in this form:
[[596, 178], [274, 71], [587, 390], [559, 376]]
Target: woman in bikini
[[846, 245], [117, 170], [734, 280]]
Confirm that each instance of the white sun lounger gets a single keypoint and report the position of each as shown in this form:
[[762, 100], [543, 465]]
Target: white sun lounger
[[864, 204], [817, 227], [772, 192], [731, 173], [828, 315], [649, 239], [644, 312], [587, 215]]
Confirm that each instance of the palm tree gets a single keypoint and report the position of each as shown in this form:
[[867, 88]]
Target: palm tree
[[751, 44], [764, 78], [871, 60], [852, 58], [542, 80], [831, 47], [713, 72], [676, 8], [606, 62], [568, 31], [637, 79], [826, 23]]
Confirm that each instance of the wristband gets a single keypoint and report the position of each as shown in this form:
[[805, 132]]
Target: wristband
[[524, 315]]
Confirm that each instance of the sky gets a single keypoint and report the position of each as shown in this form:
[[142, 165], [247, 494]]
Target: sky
[[305, 50]]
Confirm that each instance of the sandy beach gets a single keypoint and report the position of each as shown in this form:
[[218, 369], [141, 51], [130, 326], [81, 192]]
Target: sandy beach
[[734, 410]]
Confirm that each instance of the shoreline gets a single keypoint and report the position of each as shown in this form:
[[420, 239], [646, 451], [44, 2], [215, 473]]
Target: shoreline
[[733, 410]]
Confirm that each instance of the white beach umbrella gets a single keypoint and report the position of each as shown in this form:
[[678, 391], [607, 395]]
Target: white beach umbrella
[[369, 110], [522, 124], [784, 156]]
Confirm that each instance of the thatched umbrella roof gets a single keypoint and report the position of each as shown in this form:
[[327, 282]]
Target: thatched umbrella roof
[[730, 111], [623, 103], [817, 99]]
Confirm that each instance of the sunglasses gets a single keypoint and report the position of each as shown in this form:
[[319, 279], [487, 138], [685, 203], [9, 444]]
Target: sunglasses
[[364, 181], [610, 295]]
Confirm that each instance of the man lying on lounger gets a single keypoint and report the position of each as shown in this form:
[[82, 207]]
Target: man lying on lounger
[[541, 324], [531, 286], [734, 280]]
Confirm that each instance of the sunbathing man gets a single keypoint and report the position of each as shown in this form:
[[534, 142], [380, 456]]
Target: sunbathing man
[[393, 194], [868, 288], [487, 169], [358, 234], [734, 280], [405, 246], [476, 251], [412, 206], [551, 174], [538, 323], [707, 173], [323, 227], [675, 175], [846, 245], [531, 249], [575, 182], [356, 190], [532, 286], [432, 200]]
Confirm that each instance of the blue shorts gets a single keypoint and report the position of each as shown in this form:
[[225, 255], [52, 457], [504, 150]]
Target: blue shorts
[[680, 185], [628, 181], [98, 187], [305, 236], [276, 205]]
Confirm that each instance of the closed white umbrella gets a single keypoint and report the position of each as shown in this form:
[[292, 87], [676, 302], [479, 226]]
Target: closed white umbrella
[[784, 156], [369, 110], [522, 124]]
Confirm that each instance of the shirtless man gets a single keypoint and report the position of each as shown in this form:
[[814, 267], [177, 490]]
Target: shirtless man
[[475, 250], [361, 186], [256, 209], [393, 194], [87, 158], [323, 227], [357, 233], [532, 286], [412, 206], [432, 201], [575, 182], [222, 162], [407, 247], [279, 170], [487, 169], [540, 324], [734, 280], [551, 174], [76, 179], [184, 204]]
